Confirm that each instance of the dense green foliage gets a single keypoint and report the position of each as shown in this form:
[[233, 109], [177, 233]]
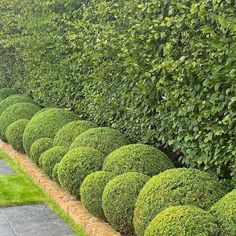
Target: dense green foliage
[[103, 139], [14, 134], [138, 158], [173, 60], [51, 157], [118, 200], [15, 112], [175, 187], [45, 124], [38, 147], [55, 173], [92, 189], [184, 221], [6, 92], [76, 165], [13, 99], [67, 134], [225, 213]]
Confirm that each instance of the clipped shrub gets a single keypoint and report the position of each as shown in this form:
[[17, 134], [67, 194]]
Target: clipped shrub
[[76, 165], [175, 187], [14, 134], [6, 92], [224, 212], [51, 157], [39, 146], [91, 191], [45, 125], [67, 134], [184, 221], [55, 173], [139, 158], [103, 139], [15, 112], [13, 99], [118, 200]]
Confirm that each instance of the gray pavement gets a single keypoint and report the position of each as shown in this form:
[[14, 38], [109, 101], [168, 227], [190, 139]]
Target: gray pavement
[[5, 169], [32, 220]]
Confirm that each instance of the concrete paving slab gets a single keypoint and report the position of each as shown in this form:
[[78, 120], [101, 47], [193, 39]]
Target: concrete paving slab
[[36, 220], [5, 169]]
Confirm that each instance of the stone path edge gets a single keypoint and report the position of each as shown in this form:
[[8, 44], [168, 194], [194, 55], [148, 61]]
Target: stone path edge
[[90, 224]]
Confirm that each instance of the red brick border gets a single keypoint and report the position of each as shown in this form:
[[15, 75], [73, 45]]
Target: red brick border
[[92, 225]]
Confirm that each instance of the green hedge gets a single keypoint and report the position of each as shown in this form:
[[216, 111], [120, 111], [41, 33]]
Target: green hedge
[[175, 187], [76, 165], [137, 158], [23, 110], [6, 92], [184, 221], [67, 134], [103, 139], [45, 124], [91, 191], [13, 99], [161, 71], [14, 134], [224, 212], [39, 147], [119, 198]]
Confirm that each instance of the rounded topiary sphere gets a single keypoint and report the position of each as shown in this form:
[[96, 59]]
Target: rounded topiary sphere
[[51, 157], [14, 134], [175, 187], [224, 212], [103, 139], [55, 173], [6, 92], [137, 157], [39, 146], [118, 200], [76, 165], [13, 99], [67, 134], [15, 112], [184, 221], [45, 124], [91, 191]]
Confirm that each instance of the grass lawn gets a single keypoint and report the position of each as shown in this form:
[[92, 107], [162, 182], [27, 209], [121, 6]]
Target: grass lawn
[[19, 189]]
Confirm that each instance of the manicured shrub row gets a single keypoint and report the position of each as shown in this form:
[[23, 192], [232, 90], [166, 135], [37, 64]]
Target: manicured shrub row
[[134, 187], [6, 92]]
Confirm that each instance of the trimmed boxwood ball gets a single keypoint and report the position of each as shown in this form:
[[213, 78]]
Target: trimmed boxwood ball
[[39, 146], [6, 92], [224, 212], [91, 191], [67, 134], [13, 99], [14, 134], [15, 112], [175, 187], [76, 165], [51, 157], [184, 221], [45, 124], [137, 157], [118, 200], [55, 173], [103, 139]]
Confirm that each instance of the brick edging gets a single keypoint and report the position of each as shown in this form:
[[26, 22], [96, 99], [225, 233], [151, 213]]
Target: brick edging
[[90, 224]]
